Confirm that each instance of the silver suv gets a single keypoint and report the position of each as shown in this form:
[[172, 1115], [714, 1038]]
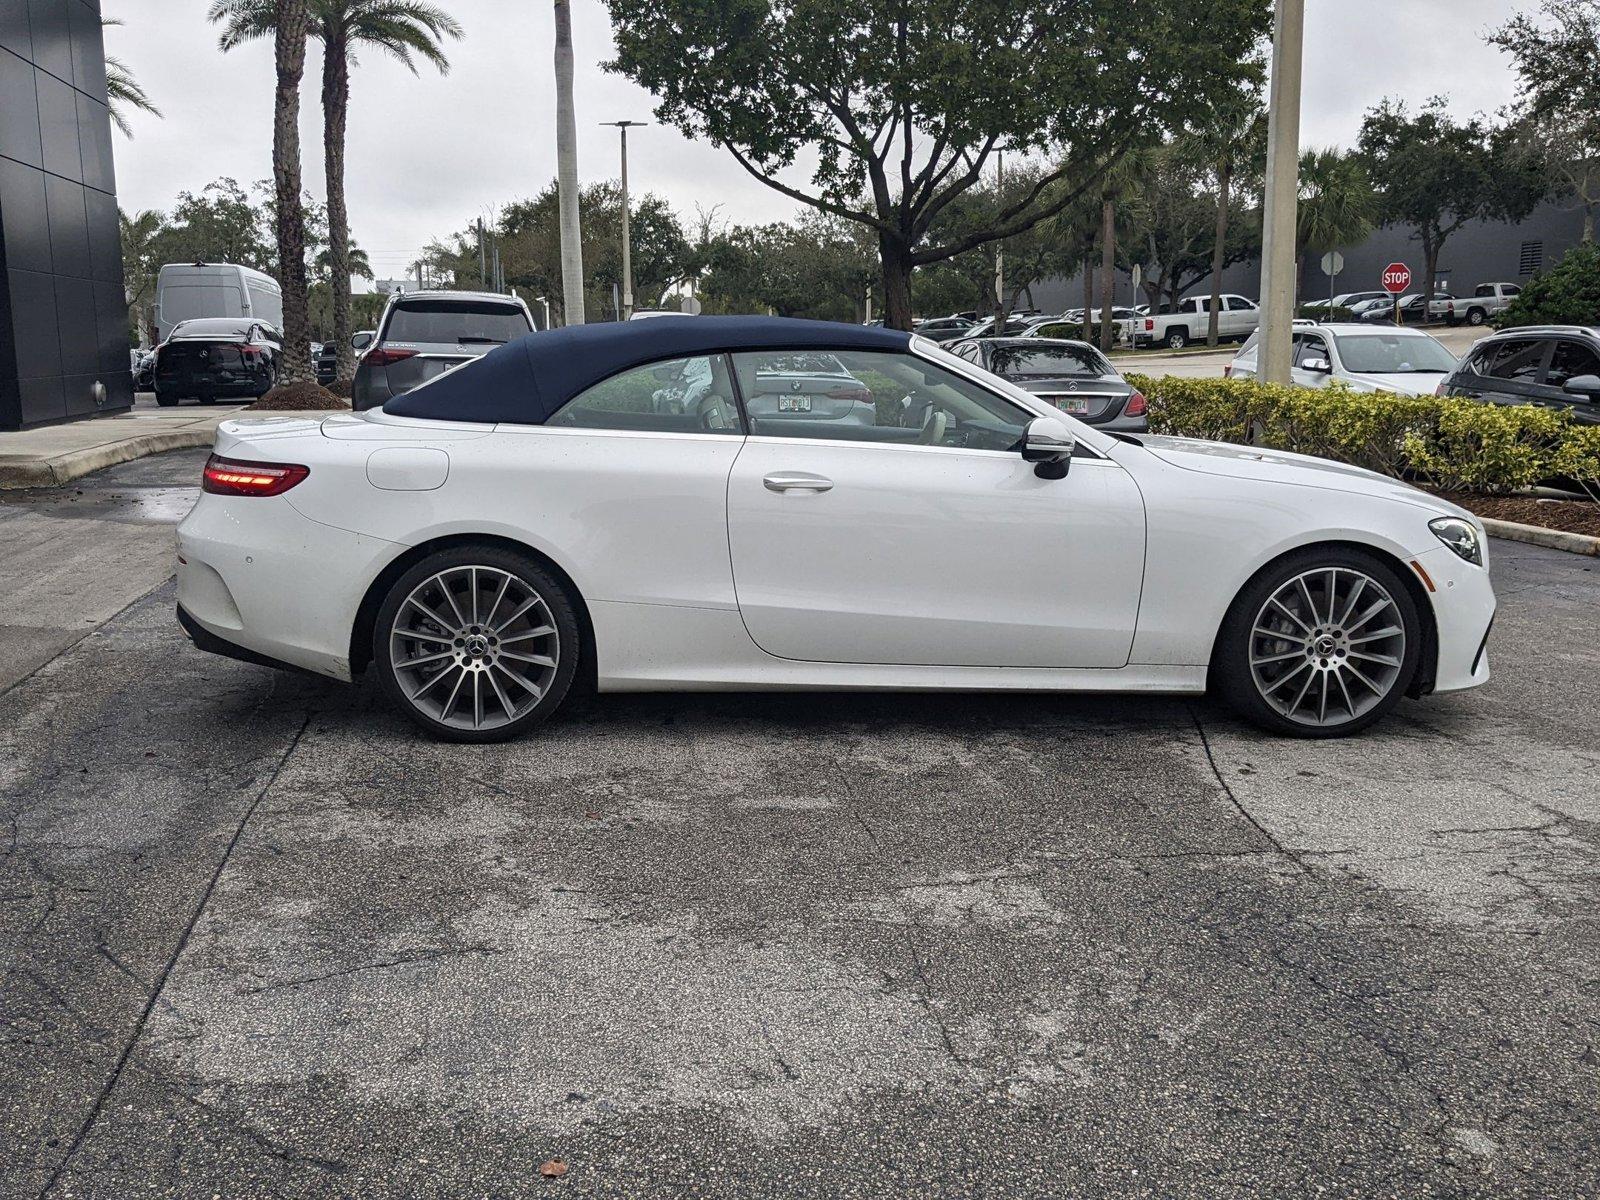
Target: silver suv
[[424, 334]]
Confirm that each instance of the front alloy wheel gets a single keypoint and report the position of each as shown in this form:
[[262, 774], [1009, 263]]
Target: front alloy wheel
[[1322, 646], [477, 645]]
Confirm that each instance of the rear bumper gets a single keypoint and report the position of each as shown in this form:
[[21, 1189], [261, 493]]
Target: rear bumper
[[212, 643]]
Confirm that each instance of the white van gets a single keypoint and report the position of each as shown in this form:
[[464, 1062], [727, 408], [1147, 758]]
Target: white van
[[188, 290]]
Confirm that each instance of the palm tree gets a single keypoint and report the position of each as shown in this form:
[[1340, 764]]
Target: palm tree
[[139, 233], [123, 91], [292, 26], [1338, 205], [403, 29], [567, 171], [1232, 144]]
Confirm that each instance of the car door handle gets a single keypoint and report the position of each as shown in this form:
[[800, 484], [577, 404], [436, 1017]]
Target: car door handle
[[796, 481]]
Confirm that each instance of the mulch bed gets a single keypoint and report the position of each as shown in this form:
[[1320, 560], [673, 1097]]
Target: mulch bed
[[298, 397], [1570, 516]]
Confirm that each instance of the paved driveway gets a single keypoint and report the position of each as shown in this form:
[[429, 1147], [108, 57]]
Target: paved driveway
[[259, 940]]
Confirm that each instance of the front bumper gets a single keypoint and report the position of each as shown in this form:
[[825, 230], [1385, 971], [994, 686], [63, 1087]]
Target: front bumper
[[1463, 609]]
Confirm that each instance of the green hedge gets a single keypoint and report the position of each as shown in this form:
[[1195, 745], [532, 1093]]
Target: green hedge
[[1450, 443]]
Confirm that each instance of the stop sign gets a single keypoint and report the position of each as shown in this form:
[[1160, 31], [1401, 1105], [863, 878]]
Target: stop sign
[[1396, 278]]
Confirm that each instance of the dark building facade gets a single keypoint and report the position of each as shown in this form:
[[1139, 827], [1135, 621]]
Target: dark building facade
[[1478, 252], [63, 314]]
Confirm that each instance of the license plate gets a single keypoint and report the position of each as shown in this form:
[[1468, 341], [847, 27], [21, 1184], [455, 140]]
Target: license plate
[[794, 403], [1076, 405]]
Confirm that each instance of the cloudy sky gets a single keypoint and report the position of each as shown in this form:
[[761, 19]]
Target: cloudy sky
[[428, 153]]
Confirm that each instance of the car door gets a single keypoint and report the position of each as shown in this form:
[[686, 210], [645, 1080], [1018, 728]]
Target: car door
[[1240, 317], [1505, 372], [924, 538]]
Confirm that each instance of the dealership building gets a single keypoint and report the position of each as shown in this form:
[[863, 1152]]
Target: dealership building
[[63, 314]]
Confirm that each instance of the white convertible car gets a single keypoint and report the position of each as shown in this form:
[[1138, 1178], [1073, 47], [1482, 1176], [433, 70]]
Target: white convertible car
[[755, 503]]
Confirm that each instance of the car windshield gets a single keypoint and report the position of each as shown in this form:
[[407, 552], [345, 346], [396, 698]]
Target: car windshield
[[455, 321], [1394, 354], [1047, 360]]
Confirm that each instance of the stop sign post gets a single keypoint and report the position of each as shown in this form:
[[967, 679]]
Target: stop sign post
[[1396, 279]]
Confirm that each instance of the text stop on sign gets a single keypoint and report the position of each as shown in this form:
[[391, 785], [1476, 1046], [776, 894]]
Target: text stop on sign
[[1396, 278]]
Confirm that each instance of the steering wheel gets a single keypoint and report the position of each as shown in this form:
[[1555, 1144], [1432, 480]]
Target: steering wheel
[[933, 429]]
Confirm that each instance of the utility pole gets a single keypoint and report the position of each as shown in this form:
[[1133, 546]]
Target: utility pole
[[483, 275], [567, 171], [627, 249], [1282, 193], [999, 247]]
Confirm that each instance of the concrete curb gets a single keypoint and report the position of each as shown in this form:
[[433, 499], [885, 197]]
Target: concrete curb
[[1537, 535], [74, 464]]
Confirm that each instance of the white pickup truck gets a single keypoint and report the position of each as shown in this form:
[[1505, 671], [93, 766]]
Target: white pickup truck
[[1191, 322], [1487, 300]]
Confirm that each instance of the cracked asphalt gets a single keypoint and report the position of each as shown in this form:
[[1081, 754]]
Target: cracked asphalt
[[257, 939]]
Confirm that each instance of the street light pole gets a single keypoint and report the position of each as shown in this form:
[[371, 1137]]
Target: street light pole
[[1282, 193], [627, 248]]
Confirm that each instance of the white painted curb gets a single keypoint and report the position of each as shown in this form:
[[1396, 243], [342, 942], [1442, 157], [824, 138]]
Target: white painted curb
[[1537, 535]]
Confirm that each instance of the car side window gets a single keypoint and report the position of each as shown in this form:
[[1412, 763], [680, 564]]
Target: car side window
[[1570, 360], [682, 395], [1239, 304], [1309, 347], [1519, 360], [872, 396]]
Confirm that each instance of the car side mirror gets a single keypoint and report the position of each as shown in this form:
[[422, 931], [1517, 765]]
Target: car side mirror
[[1317, 366], [1587, 386], [360, 341], [1048, 444]]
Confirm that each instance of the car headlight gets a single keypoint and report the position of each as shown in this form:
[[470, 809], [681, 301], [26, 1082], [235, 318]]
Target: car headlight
[[1461, 536]]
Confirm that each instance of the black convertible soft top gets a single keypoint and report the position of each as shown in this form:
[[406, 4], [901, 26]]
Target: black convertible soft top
[[527, 381]]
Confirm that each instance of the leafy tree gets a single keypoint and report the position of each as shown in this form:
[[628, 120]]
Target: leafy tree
[[528, 233], [818, 267], [1558, 103], [1567, 294], [123, 91], [1338, 206], [220, 224], [904, 105], [140, 266], [404, 30], [1435, 174]]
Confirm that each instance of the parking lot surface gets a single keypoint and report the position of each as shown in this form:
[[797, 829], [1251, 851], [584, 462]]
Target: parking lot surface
[[258, 939]]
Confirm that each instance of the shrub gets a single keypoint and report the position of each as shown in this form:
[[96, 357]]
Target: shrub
[[1567, 294], [1453, 444]]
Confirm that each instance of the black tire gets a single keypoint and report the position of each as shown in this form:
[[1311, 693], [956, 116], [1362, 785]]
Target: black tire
[[1234, 683], [166, 399], [1177, 339], [206, 398], [555, 599]]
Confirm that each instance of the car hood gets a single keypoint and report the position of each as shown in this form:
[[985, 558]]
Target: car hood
[[1280, 466], [1408, 384]]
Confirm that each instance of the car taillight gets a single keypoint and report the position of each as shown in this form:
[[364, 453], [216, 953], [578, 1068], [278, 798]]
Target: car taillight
[[239, 477], [382, 356], [1135, 406], [1149, 324], [846, 393]]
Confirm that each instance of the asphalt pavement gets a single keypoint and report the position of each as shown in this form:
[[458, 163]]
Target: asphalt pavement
[[260, 939]]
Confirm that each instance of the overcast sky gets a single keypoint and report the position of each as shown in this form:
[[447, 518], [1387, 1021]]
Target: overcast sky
[[427, 153]]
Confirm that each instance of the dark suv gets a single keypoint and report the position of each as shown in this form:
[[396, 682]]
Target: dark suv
[[424, 334], [1553, 366]]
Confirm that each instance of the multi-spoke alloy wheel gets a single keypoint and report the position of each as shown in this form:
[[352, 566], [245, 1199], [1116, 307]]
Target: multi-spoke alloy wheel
[[475, 647], [1323, 645], [1327, 646]]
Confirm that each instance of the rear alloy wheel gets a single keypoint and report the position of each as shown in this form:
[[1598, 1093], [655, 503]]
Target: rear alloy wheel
[[1177, 339], [1476, 316], [1322, 645], [476, 644]]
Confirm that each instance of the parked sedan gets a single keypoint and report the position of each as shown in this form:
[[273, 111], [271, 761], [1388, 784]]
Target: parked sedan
[[1404, 361], [1381, 311], [214, 358], [944, 329], [498, 533], [1073, 376], [1552, 366]]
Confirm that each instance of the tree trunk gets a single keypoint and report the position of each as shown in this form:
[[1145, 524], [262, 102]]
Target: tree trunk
[[293, 25], [1430, 273], [1088, 297], [1108, 269], [896, 282], [567, 171], [1219, 249], [335, 114]]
